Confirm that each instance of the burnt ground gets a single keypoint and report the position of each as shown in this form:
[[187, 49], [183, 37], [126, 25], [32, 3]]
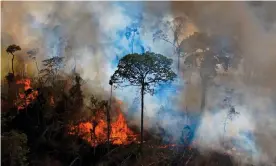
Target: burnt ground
[[154, 155]]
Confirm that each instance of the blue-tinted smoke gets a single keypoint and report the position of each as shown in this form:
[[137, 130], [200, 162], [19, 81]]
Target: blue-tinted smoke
[[129, 39], [131, 32], [135, 44], [55, 42]]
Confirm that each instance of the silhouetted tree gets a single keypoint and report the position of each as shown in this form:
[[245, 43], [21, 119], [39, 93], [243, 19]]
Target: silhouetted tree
[[11, 50], [177, 28], [108, 116], [97, 108], [76, 92], [131, 32], [202, 51], [145, 71], [51, 68], [32, 54]]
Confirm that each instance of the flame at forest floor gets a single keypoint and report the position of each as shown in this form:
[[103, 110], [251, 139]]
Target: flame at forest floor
[[120, 133], [26, 97]]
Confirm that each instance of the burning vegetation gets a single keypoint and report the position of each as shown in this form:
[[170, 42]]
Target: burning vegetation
[[27, 96], [94, 130], [55, 115], [47, 121]]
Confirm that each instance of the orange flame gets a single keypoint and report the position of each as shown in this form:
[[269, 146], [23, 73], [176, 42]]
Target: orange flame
[[52, 103], [25, 99], [120, 132]]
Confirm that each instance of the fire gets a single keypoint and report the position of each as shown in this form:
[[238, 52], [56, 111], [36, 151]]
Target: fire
[[26, 82], [95, 131], [52, 103], [120, 130], [27, 96]]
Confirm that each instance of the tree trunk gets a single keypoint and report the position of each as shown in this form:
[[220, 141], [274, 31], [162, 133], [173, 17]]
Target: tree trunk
[[178, 63], [37, 67], [132, 43], [92, 131], [203, 95], [108, 120], [12, 64], [142, 117]]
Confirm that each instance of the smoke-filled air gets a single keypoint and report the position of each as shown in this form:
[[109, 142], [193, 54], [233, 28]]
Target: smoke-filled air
[[138, 83]]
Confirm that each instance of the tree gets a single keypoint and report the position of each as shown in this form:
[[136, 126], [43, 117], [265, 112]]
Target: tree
[[32, 54], [76, 93], [108, 116], [145, 71], [176, 27], [97, 108], [11, 50], [202, 51], [51, 69], [130, 34]]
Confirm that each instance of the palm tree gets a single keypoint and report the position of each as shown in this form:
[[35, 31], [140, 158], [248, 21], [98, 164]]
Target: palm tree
[[11, 50]]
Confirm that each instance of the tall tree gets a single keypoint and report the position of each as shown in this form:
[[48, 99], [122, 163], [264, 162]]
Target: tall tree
[[145, 71], [203, 51], [97, 108], [11, 50], [131, 32], [176, 27], [76, 92], [108, 116], [32, 54], [51, 68]]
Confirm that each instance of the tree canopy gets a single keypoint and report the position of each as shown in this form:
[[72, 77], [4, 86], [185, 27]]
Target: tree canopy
[[148, 69], [13, 48], [205, 48]]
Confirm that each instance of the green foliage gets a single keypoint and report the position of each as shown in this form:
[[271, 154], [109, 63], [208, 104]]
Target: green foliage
[[14, 148], [149, 69]]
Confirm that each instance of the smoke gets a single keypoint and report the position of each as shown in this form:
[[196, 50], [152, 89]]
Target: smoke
[[89, 37], [253, 81], [95, 35]]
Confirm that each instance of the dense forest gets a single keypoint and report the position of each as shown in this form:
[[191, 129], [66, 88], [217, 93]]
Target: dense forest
[[45, 120]]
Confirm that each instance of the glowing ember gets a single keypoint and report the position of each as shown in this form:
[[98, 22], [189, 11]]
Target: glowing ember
[[95, 132], [52, 103], [26, 97]]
